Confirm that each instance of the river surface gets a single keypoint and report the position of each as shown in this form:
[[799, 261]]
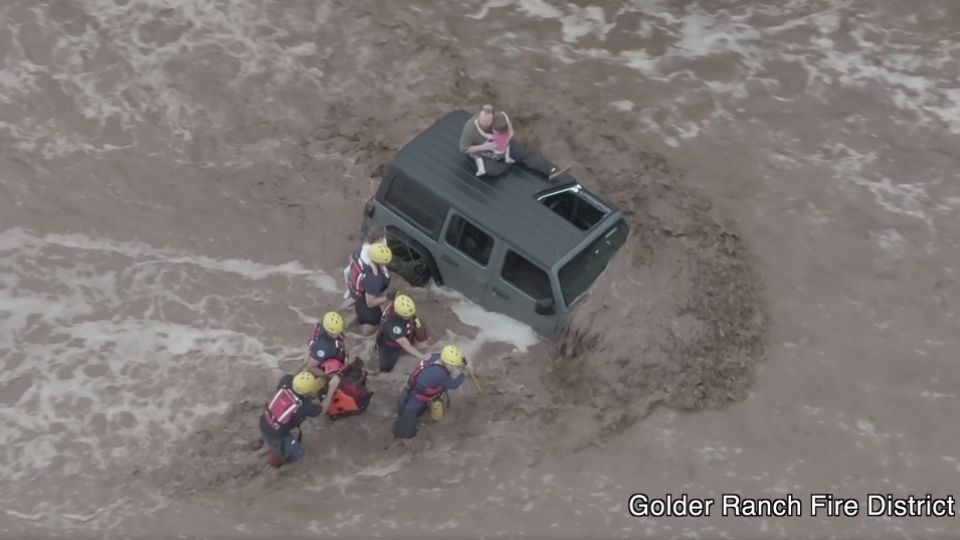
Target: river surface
[[180, 184]]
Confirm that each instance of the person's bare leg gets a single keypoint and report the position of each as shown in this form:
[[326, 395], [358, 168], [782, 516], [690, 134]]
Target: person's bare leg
[[366, 330], [481, 170], [349, 317]]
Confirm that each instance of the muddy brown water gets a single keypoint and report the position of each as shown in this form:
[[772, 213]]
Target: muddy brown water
[[180, 185]]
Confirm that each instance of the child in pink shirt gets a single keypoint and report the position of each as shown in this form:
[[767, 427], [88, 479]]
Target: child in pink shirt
[[500, 134]]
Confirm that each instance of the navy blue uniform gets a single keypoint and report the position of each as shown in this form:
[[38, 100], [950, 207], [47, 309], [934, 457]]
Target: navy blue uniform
[[410, 408], [281, 441], [373, 285], [394, 328], [327, 347]]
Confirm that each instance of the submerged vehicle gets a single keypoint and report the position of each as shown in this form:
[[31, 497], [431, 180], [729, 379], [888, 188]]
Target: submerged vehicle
[[516, 244]]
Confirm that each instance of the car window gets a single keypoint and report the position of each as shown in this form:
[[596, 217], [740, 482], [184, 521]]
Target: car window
[[418, 204], [526, 276], [579, 274], [469, 239]]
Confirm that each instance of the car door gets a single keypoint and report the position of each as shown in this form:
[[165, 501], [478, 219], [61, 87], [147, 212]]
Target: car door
[[516, 287], [464, 256]]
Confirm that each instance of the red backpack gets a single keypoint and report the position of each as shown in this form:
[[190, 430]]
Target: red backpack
[[352, 395], [356, 274]]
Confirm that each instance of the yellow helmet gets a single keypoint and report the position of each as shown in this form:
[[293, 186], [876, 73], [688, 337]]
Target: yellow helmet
[[403, 306], [451, 356], [308, 384], [333, 322], [380, 253]]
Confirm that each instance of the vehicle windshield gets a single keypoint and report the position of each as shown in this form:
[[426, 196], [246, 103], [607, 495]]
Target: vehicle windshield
[[579, 274]]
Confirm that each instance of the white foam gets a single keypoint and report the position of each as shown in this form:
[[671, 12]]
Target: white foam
[[584, 21], [687, 130], [925, 95], [890, 240], [906, 72], [637, 60], [113, 351], [384, 469], [867, 428], [304, 49], [902, 198], [142, 71], [949, 204], [897, 198], [18, 238], [14, 81], [29, 135], [491, 327], [488, 5], [950, 111], [539, 9], [575, 22], [702, 35]]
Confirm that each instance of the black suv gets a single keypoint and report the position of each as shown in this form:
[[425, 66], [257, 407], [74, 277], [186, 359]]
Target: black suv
[[517, 244]]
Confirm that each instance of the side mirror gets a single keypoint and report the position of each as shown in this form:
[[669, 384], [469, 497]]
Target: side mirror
[[545, 306]]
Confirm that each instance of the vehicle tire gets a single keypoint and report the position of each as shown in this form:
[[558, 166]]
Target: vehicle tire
[[409, 262]]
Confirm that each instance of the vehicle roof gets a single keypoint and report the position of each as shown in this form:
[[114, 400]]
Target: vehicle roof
[[505, 206]]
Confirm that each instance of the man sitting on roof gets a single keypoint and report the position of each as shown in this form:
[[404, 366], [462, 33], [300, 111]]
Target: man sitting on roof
[[479, 140]]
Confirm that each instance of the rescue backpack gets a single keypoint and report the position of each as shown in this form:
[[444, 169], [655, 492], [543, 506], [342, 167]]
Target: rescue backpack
[[356, 274], [352, 396]]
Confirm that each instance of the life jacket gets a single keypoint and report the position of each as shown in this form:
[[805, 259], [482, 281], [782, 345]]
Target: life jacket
[[352, 395], [358, 271], [282, 409], [330, 364], [410, 330], [420, 393]]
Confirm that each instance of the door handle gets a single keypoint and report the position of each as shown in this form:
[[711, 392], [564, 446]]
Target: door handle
[[450, 261], [499, 293]]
